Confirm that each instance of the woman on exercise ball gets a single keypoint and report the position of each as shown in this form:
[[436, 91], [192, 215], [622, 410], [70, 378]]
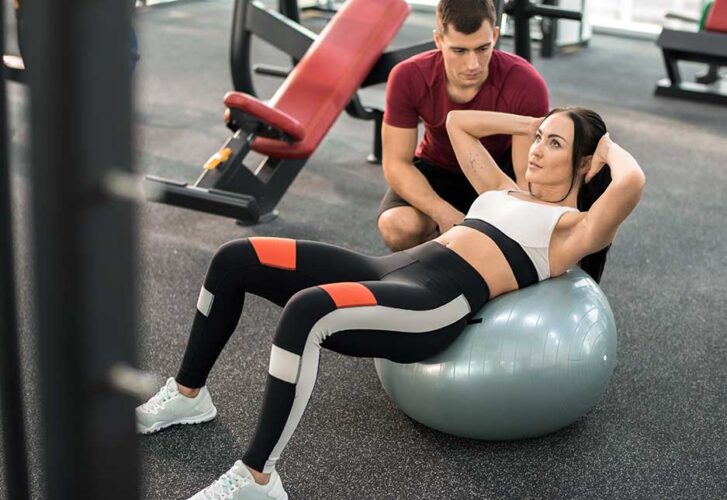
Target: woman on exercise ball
[[409, 305]]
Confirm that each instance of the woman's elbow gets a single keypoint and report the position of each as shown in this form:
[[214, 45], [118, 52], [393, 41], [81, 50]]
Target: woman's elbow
[[638, 182], [631, 184], [452, 119]]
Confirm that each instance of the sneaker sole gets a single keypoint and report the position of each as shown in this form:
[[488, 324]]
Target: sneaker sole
[[197, 419]]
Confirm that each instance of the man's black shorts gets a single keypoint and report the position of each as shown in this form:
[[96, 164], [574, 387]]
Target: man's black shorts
[[452, 187]]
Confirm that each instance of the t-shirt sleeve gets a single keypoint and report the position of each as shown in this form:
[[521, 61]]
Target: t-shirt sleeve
[[529, 95], [401, 96]]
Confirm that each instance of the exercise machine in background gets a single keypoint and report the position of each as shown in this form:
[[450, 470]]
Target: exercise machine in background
[[330, 68], [556, 34], [560, 25], [520, 12], [709, 45]]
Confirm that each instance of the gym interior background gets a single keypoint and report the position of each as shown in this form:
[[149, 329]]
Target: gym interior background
[[660, 430]]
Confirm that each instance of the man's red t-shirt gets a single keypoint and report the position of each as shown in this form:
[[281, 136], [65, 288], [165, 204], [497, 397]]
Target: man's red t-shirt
[[417, 89]]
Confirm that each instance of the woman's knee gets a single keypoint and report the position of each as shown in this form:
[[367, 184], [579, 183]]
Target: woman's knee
[[231, 255], [301, 317]]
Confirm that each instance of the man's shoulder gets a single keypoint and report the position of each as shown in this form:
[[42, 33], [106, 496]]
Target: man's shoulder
[[511, 65], [425, 65], [521, 88], [424, 59]]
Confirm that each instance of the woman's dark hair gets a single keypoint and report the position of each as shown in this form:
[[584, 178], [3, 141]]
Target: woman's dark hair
[[588, 128], [466, 16]]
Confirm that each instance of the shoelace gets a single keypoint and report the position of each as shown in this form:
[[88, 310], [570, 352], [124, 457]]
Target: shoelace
[[158, 401], [225, 486]]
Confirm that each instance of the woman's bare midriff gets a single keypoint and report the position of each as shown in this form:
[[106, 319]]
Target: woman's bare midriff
[[482, 254]]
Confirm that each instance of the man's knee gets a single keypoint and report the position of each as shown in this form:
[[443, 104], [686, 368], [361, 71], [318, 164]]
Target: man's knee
[[404, 227]]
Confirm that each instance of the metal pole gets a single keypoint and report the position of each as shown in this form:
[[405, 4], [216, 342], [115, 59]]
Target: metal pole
[[83, 243], [11, 401], [521, 26], [522, 10], [240, 39], [549, 29]]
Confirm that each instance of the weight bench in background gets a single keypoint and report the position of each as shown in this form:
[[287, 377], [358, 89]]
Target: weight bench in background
[[283, 31], [288, 129], [709, 46], [705, 47]]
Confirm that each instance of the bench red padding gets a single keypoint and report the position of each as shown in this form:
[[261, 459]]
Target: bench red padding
[[332, 70], [717, 17], [271, 116]]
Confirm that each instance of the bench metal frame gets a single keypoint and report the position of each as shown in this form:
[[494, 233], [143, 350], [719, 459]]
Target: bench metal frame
[[234, 189]]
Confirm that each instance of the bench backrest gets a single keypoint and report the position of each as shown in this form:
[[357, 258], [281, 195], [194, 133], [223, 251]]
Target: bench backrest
[[331, 71]]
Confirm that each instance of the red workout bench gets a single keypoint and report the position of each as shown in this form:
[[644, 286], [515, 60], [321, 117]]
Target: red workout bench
[[289, 128]]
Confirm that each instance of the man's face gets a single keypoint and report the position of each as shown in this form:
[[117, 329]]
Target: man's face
[[466, 57]]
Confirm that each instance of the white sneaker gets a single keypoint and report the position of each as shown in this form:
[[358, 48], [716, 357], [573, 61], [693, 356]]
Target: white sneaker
[[238, 484], [169, 407]]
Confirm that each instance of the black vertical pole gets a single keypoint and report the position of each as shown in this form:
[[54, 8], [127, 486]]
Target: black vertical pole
[[521, 20], [289, 8], [549, 30], [11, 402], [240, 39], [522, 10], [80, 83], [499, 10]]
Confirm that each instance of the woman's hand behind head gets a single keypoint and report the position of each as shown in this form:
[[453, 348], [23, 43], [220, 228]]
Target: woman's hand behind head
[[600, 155]]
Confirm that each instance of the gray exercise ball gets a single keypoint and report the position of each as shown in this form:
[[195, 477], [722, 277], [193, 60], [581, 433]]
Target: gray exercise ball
[[529, 363]]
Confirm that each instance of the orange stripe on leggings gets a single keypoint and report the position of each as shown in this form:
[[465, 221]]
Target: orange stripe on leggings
[[350, 294], [275, 252]]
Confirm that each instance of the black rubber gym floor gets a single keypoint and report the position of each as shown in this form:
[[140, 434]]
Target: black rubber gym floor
[[661, 429]]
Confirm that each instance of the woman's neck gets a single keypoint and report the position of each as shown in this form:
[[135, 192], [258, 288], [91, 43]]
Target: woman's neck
[[557, 195]]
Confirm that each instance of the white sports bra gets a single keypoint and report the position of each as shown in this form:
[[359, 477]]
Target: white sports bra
[[528, 223]]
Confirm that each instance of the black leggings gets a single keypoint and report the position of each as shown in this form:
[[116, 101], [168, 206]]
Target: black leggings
[[404, 307]]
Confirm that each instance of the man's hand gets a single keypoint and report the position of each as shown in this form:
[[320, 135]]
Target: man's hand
[[447, 217]]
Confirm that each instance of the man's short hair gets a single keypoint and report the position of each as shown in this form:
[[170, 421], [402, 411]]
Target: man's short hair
[[466, 16]]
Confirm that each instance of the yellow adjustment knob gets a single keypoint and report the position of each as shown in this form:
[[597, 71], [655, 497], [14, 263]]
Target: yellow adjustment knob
[[218, 158]]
